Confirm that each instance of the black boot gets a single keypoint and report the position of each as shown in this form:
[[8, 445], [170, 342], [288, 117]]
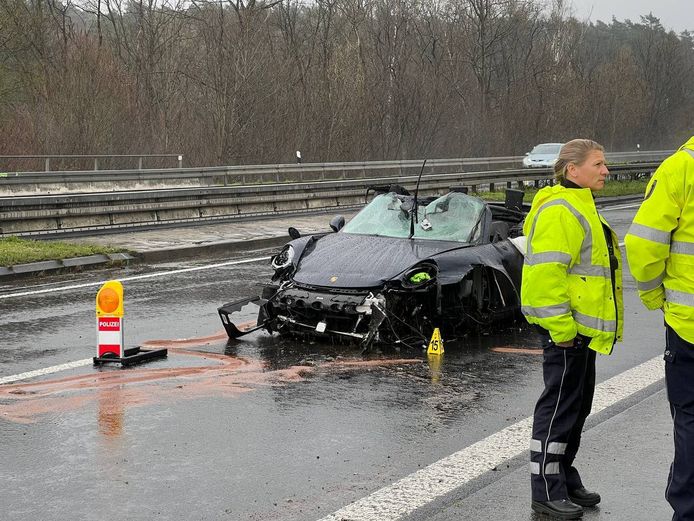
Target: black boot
[[584, 497], [559, 508]]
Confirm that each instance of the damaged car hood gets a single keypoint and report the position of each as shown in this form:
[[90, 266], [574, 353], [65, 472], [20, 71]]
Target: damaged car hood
[[344, 260]]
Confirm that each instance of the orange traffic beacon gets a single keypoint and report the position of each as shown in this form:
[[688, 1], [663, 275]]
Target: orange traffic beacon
[[109, 320], [109, 329]]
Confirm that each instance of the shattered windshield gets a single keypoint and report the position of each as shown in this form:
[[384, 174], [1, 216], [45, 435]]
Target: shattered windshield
[[452, 217]]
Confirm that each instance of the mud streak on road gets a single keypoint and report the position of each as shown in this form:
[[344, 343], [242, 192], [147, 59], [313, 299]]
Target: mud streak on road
[[516, 350], [202, 375]]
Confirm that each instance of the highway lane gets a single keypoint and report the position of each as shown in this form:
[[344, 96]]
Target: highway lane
[[256, 429]]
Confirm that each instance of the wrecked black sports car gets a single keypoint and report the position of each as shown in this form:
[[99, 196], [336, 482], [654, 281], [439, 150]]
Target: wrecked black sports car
[[398, 269]]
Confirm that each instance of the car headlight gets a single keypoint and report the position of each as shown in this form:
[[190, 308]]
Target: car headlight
[[419, 276], [283, 258]]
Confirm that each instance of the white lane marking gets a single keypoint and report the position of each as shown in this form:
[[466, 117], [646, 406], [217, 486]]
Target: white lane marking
[[620, 207], [47, 370], [419, 488], [134, 277]]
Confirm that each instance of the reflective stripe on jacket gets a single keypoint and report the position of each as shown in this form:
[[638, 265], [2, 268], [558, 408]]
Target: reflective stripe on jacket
[[660, 242], [567, 284]]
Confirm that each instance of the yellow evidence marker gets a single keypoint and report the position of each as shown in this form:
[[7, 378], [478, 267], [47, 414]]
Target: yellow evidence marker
[[436, 343], [435, 363]]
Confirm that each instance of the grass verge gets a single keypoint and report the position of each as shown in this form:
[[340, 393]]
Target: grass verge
[[14, 250]]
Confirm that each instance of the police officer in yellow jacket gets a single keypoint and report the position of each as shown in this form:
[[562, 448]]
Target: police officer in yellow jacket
[[660, 250], [572, 292]]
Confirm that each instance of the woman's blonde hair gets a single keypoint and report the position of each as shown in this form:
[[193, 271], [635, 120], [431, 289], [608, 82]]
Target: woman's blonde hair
[[575, 151]]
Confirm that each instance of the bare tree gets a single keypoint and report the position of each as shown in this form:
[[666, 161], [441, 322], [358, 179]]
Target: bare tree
[[248, 81]]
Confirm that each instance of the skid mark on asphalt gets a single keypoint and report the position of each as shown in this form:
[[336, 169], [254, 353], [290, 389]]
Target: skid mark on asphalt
[[214, 375]]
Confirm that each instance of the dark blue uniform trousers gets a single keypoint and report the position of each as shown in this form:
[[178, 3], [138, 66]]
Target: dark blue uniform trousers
[[560, 413], [679, 379]]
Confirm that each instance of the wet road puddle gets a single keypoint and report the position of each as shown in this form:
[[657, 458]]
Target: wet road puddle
[[199, 375]]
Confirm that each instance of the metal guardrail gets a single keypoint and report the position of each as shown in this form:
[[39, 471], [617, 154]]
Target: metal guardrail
[[410, 163], [64, 214], [27, 183], [96, 157]]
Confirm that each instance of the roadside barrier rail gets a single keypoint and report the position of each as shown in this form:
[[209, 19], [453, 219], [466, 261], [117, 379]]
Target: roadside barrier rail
[[46, 215], [96, 158], [32, 183]]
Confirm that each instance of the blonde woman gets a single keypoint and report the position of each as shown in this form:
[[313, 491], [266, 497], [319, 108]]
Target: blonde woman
[[572, 292]]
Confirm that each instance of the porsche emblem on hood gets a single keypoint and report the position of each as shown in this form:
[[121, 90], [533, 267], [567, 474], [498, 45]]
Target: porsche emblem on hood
[[333, 278]]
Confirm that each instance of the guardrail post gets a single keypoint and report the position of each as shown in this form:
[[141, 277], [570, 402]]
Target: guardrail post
[[47, 164], [139, 163], [180, 161], [96, 163], [491, 187]]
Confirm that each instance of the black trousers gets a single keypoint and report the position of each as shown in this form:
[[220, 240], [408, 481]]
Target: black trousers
[[679, 373], [560, 413]]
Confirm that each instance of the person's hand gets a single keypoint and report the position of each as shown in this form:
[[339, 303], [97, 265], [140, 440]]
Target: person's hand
[[565, 345]]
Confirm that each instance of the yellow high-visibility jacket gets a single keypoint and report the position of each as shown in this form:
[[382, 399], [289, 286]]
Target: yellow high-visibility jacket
[[660, 242], [567, 280]]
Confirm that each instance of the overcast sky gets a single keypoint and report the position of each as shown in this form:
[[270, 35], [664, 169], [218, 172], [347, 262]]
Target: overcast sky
[[674, 14]]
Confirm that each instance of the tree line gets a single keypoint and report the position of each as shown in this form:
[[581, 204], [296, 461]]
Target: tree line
[[252, 81]]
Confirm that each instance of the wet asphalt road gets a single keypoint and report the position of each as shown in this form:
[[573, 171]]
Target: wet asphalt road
[[261, 428]]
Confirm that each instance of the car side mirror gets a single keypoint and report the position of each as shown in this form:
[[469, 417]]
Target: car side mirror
[[527, 153], [337, 222], [293, 232]]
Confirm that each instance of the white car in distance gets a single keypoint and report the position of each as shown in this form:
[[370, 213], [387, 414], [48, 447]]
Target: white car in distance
[[542, 156]]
